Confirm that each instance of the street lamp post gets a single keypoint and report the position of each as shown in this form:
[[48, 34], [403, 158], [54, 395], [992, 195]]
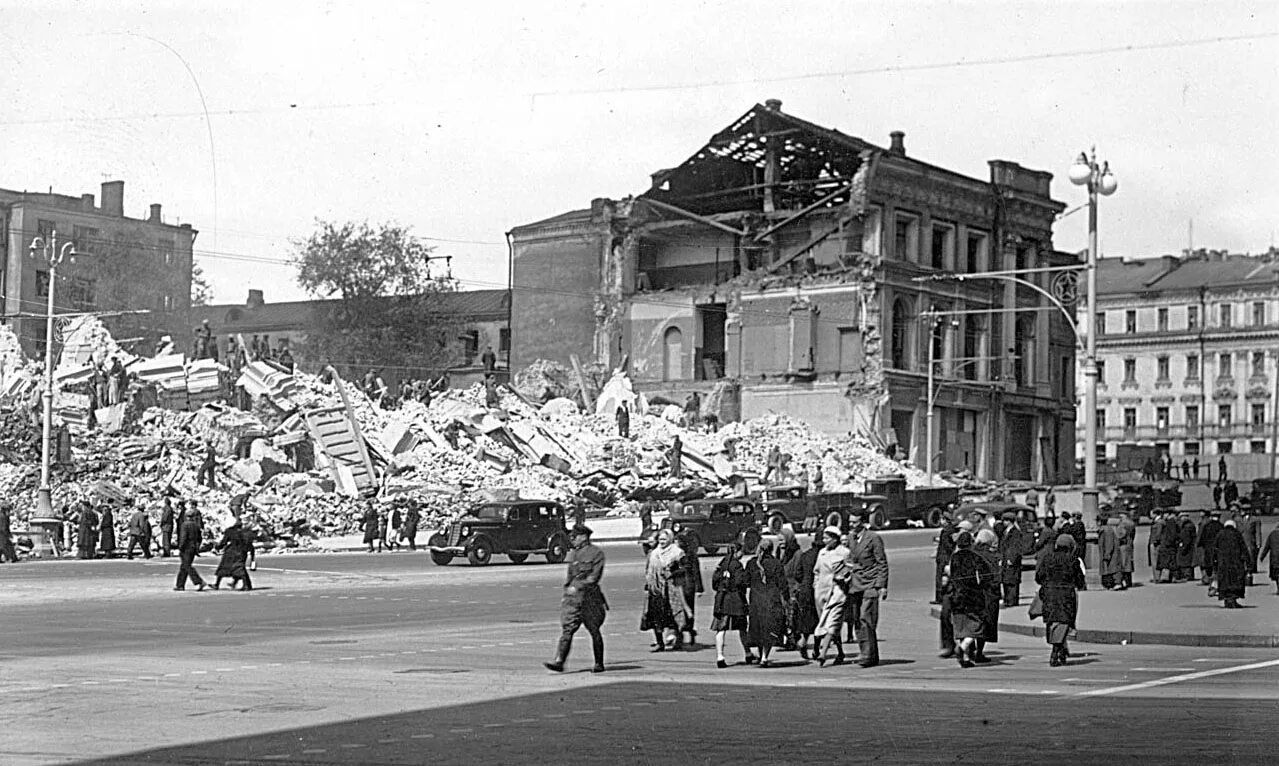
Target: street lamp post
[[1099, 180], [44, 496]]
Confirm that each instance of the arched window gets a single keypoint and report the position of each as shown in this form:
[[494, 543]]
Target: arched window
[[1025, 348], [673, 354], [903, 325]]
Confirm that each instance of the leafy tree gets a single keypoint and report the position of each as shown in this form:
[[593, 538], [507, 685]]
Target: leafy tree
[[387, 313], [201, 290]]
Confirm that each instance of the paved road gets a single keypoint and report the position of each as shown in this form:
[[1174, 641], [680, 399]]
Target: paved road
[[386, 658]]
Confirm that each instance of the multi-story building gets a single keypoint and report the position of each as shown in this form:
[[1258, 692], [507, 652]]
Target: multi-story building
[[121, 263], [797, 261], [1186, 350]]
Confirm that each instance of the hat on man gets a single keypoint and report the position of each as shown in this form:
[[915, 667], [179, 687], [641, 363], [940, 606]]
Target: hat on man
[[833, 531], [1009, 516], [581, 529]]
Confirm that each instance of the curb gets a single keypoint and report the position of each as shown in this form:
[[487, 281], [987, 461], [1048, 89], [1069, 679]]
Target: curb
[[1098, 636]]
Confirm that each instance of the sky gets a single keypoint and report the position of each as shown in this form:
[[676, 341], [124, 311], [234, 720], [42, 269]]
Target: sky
[[252, 121]]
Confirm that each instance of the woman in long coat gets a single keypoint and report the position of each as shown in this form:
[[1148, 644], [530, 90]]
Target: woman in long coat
[[803, 606], [1127, 533], [967, 578], [369, 523], [664, 606], [1059, 577], [237, 548], [1233, 563], [689, 578], [769, 593], [830, 595], [729, 612], [1108, 552], [1186, 537], [987, 547], [106, 539], [87, 534]]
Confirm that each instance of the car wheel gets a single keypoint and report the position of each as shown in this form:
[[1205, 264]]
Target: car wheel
[[441, 558], [834, 519], [556, 550], [518, 558], [933, 517], [775, 523], [480, 553], [694, 543], [877, 518]]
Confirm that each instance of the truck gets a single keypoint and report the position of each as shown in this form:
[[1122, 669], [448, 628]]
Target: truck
[[885, 503], [709, 524]]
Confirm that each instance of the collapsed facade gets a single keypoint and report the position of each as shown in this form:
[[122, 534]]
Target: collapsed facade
[[795, 262]]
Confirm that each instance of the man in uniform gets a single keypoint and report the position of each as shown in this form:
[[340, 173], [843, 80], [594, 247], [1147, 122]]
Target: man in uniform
[[1012, 546], [945, 548], [583, 604], [139, 533], [868, 583]]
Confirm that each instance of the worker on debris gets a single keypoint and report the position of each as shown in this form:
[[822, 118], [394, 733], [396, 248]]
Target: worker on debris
[[676, 457], [491, 399], [139, 533], [166, 529], [773, 463], [115, 381], [488, 359], [286, 359], [450, 433], [623, 421], [209, 464], [206, 336], [267, 353], [7, 552], [693, 409]]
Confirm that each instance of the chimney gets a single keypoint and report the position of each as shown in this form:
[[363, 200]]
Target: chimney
[[155, 213], [87, 201], [256, 300], [113, 198], [773, 105], [897, 143]]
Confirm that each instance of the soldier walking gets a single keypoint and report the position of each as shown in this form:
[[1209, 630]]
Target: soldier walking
[[583, 604]]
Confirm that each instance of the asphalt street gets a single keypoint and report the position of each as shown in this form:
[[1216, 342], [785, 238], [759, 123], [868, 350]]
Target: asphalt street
[[386, 658]]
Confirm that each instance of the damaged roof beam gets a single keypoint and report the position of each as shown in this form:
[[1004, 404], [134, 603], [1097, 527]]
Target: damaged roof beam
[[695, 217], [803, 212]]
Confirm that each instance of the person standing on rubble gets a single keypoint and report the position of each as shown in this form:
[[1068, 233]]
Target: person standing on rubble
[[139, 532], [286, 360], [166, 529], [491, 399], [693, 410], [676, 458], [207, 467], [623, 421], [190, 537], [488, 359], [369, 524]]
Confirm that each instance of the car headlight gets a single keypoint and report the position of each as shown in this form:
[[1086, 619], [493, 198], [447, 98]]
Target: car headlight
[[466, 531]]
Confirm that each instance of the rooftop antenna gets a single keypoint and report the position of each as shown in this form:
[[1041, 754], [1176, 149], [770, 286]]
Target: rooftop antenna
[[1190, 237]]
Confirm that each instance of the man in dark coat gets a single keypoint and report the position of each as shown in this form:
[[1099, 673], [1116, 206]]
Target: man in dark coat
[[1152, 544], [87, 537], [7, 553], [412, 517], [190, 537], [868, 583], [369, 523], [106, 532], [729, 611], [1222, 473], [1207, 544], [583, 604], [208, 466], [1270, 548], [1169, 542], [623, 421], [1108, 552], [1185, 549], [166, 529], [1233, 563], [1077, 530], [139, 533], [1216, 495], [1250, 528], [1127, 539], [1059, 576], [689, 578], [945, 549], [1230, 493], [1012, 546]]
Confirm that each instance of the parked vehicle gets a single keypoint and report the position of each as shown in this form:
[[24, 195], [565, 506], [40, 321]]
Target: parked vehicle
[[1027, 518], [709, 524], [924, 504], [1264, 496], [1141, 498], [516, 528], [792, 504]]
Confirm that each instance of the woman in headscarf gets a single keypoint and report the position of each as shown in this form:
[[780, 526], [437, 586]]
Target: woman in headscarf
[[768, 596], [665, 609], [729, 612], [1234, 561], [967, 577], [237, 549], [803, 609], [106, 539], [688, 576], [986, 546], [787, 553], [830, 594], [1059, 577]]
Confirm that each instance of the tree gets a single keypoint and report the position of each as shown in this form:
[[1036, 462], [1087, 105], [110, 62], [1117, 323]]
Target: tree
[[387, 313], [201, 290]]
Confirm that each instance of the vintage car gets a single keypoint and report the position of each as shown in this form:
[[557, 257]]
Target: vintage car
[[1264, 497], [1142, 498], [516, 528], [1027, 518], [709, 524]]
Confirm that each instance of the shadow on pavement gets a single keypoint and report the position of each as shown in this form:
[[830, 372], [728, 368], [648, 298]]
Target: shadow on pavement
[[650, 722]]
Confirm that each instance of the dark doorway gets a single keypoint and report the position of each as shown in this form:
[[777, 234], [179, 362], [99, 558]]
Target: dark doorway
[[1019, 448], [903, 421], [710, 356]]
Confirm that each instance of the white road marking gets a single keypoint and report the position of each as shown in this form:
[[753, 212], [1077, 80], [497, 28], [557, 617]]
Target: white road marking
[[422, 736], [1226, 659], [314, 751], [1162, 670], [1178, 679]]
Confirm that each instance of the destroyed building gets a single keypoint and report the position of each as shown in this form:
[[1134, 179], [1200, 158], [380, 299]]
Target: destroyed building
[[794, 261], [119, 263]]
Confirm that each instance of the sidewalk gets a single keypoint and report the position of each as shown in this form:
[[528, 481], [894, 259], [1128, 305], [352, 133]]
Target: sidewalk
[[604, 530], [1173, 615]]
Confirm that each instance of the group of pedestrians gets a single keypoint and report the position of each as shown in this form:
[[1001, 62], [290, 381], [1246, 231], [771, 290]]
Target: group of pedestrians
[[390, 528], [1226, 552]]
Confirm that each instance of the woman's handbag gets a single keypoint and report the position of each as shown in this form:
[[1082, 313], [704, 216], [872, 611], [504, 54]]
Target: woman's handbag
[[1036, 608]]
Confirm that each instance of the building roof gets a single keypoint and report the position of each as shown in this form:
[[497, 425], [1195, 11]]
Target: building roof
[[475, 305], [1170, 273], [572, 216]]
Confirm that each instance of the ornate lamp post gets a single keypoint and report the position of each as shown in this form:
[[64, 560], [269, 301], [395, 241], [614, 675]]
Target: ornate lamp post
[[55, 254], [1099, 180]]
